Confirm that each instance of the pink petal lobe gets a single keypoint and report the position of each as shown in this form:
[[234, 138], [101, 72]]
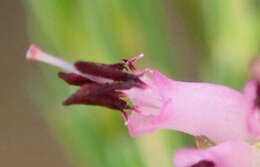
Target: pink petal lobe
[[250, 90], [199, 109], [162, 84], [252, 93], [228, 154], [139, 124], [253, 119]]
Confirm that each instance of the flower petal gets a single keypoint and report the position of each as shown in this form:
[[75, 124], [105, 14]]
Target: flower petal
[[252, 92], [199, 109], [228, 154]]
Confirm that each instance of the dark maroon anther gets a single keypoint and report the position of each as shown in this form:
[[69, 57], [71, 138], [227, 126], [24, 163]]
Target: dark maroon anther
[[101, 94], [204, 163], [105, 71], [97, 94], [100, 84], [127, 85], [119, 66], [74, 79]]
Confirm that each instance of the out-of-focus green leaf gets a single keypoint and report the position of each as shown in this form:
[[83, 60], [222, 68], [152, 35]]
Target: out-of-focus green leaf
[[232, 34]]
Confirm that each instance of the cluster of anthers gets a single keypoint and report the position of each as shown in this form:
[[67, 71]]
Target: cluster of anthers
[[100, 84], [227, 120]]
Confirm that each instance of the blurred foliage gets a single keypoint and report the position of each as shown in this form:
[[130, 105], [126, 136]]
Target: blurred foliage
[[231, 28], [203, 39]]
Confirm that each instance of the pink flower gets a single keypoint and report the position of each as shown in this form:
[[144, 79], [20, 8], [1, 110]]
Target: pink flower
[[199, 109], [228, 117], [228, 154]]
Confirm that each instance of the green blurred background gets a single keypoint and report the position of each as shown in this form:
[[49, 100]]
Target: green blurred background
[[191, 40]]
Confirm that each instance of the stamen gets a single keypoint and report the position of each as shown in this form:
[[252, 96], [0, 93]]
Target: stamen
[[106, 72], [130, 62], [100, 84], [97, 94]]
